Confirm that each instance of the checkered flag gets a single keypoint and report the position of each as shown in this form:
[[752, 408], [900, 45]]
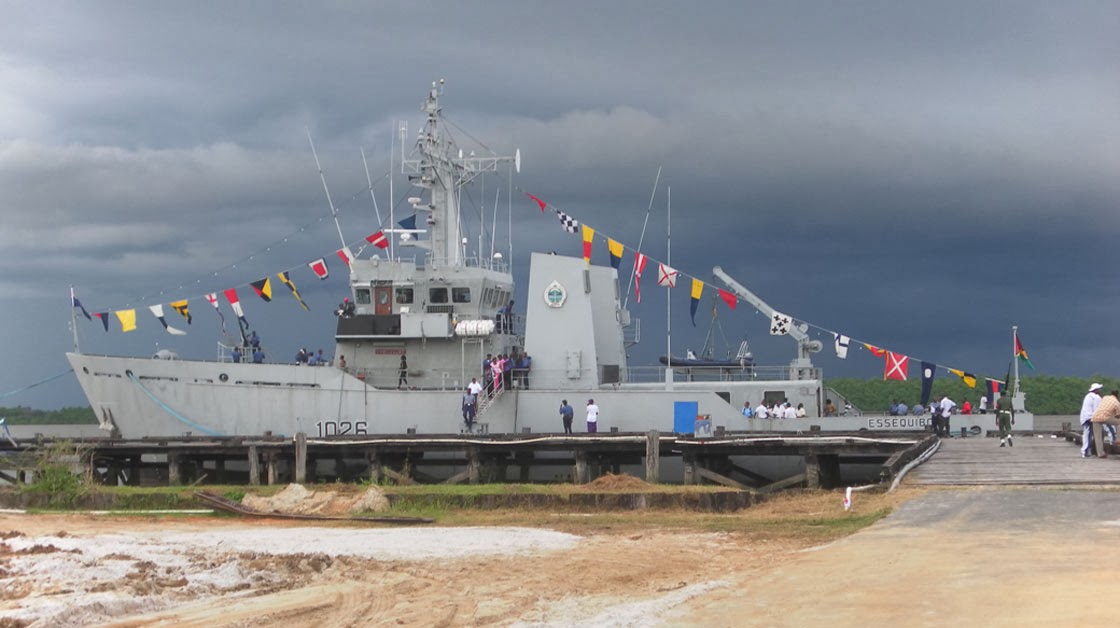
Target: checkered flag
[[779, 324], [567, 223]]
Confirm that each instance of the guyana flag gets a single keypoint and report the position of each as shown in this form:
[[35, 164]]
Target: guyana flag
[[1020, 352]]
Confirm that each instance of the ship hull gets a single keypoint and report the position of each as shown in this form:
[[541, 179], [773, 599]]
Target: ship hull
[[140, 397]]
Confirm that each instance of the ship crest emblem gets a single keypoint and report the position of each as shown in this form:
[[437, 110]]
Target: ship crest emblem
[[555, 294]]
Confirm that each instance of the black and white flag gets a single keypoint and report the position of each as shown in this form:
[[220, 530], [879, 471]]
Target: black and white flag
[[841, 345], [567, 223], [780, 324]]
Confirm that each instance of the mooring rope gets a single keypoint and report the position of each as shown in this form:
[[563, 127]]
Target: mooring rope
[[178, 417], [42, 381], [913, 463]]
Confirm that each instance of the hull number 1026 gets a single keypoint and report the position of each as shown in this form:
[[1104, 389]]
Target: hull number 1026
[[340, 428]]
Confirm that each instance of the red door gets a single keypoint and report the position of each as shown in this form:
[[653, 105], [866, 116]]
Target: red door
[[383, 299]]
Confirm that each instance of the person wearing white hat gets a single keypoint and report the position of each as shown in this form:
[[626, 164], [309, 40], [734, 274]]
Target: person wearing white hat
[[1088, 407]]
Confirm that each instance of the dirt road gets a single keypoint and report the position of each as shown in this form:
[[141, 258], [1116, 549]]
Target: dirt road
[[1006, 557], [974, 557]]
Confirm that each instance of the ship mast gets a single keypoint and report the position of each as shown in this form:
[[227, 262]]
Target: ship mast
[[443, 169]]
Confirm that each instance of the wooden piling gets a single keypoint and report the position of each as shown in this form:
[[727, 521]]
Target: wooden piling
[[254, 466], [270, 465], [579, 471], [653, 456], [474, 465], [690, 476], [174, 472], [300, 470]]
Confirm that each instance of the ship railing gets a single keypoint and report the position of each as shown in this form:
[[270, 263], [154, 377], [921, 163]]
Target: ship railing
[[456, 379], [656, 374], [489, 263]]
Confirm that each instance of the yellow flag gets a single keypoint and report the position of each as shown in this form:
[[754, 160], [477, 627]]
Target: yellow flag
[[697, 288], [127, 319]]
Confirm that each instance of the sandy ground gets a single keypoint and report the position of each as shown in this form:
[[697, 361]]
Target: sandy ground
[[976, 557]]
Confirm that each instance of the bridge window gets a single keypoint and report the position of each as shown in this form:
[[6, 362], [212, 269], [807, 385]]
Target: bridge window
[[404, 295], [461, 295], [361, 296], [437, 295]]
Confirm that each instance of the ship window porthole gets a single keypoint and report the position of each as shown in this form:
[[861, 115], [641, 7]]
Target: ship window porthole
[[223, 377]]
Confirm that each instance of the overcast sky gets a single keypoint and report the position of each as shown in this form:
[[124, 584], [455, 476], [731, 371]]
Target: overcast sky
[[920, 175]]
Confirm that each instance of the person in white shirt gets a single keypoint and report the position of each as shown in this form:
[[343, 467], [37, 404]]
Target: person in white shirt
[[946, 406], [1088, 407], [761, 412], [801, 411], [788, 412], [592, 416], [983, 404], [475, 388]]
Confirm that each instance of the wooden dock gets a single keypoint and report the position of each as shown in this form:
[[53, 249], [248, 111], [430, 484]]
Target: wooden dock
[[1034, 460], [731, 460]]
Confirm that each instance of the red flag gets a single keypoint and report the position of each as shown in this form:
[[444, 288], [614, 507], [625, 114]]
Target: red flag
[[539, 201], [345, 255], [639, 266], [588, 236], [728, 298], [896, 366], [319, 267], [378, 239], [876, 351]]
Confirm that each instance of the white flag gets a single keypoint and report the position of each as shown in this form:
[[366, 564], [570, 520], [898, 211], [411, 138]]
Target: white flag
[[666, 276], [841, 345], [779, 324]]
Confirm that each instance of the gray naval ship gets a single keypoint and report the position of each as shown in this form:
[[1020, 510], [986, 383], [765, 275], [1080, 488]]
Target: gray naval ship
[[443, 312]]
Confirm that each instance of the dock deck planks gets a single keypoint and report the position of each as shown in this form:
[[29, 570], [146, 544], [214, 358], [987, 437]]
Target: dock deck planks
[[1034, 460]]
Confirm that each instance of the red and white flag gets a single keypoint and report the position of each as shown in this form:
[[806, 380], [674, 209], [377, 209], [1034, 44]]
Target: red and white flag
[[235, 303], [667, 276], [345, 255], [213, 299], [319, 267], [897, 365], [639, 266], [378, 239]]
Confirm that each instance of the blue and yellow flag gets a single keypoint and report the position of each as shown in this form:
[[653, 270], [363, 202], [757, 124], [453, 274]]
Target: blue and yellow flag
[[615, 249], [697, 290]]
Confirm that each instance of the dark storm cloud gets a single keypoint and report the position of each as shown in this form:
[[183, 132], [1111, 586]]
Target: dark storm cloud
[[921, 176]]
